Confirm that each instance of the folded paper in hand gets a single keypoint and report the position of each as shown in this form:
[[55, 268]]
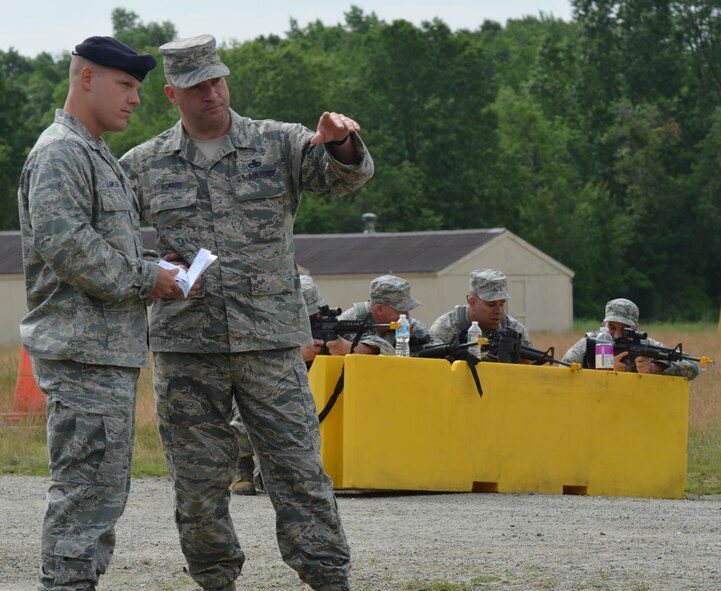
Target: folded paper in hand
[[186, 279]]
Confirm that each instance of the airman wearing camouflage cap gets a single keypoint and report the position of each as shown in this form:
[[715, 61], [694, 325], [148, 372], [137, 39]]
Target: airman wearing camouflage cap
[[487, 297], [247, 176], [489, 285], [390, 296], [190, 61], [311, 294], [620, 314], [623, 311], [393, 291]]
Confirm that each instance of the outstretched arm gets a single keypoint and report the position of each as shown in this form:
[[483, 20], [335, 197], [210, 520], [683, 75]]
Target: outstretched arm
[[334, 130]]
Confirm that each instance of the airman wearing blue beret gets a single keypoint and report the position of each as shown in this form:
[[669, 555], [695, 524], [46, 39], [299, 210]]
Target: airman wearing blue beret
[[111, 53], [87, 284]]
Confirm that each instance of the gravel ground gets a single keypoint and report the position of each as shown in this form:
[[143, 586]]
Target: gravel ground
[[432, 542]]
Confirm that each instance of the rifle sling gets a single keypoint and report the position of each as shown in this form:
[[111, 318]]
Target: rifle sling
[[471, 361], [339, 384], [338, 390], [333, 397]]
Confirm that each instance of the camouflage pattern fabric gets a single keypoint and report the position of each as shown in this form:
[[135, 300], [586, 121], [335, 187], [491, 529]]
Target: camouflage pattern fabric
[[393, 291], [451, 324], [687, 369], [241, 434], [250, 310], [194, 393], [386, 342], [623, 311], [489, 285], [242, 207], [86, 332], [190, 61], [82, 252], [311, 294], [90, 426]]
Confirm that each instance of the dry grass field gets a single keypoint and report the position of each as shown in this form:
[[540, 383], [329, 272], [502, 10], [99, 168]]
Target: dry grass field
[[22, 442]]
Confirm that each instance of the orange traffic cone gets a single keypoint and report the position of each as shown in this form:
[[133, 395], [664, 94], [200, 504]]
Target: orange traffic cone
[[28, 398]]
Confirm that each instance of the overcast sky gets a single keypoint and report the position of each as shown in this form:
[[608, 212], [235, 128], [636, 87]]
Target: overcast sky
[[58, 25]]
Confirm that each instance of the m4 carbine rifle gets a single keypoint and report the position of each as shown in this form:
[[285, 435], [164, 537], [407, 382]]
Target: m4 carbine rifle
[[636, 344], [506, 346], [326, 326], [451, 351]]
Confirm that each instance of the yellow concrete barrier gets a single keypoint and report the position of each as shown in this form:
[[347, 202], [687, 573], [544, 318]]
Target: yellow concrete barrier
[[419, 424]]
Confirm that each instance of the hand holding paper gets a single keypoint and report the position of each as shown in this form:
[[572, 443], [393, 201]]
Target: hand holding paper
[[186, 279]]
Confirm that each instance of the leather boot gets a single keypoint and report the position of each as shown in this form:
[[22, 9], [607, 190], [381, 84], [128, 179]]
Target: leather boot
[[243, 481]]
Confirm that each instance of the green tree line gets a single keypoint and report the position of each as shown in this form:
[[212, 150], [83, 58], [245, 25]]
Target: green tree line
[[597, 140]]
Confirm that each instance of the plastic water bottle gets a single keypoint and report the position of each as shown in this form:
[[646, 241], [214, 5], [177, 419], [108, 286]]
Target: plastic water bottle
[[403, 337], [604, 349], [474, 333]]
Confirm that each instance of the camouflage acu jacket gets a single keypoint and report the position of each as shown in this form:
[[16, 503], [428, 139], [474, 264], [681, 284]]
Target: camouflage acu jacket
[[82, 252], [687, 369], [386, 342], [455, 324], [241, 205]]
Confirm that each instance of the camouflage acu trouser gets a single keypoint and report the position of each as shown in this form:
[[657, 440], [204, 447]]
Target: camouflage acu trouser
[[193, 394], [91, 417], [244, 446]]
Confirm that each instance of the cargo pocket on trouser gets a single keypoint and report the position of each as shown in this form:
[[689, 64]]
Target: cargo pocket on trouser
[[88, 448], [114, 469], [75, 561]]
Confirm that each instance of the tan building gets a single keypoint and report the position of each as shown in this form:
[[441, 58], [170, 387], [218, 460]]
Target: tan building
[[437, 264]]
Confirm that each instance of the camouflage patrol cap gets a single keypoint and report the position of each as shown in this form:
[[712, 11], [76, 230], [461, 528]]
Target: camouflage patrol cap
[[193, 60], [311, 294], [623, 311], [489, 285], [394, 291]]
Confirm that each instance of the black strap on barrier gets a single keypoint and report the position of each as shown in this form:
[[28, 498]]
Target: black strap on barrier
[[338, 390], [471, 360], [333, 397]]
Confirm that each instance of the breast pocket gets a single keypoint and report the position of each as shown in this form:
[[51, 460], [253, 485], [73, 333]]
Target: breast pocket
[[118, 220], [176, 209], [262, 217]]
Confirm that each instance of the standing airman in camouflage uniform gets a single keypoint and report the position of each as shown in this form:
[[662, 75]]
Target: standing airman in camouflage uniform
[[87, 286], [487, 297], [622, 313], [247, 477], [233, 185], [390, 296]]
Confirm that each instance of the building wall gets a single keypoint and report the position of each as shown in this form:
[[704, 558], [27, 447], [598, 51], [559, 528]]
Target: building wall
[[12, 288], [541, 291]]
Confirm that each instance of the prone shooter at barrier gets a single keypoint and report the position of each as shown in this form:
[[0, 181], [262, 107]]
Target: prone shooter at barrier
[[634, 351], [390, 297], [326, 326]]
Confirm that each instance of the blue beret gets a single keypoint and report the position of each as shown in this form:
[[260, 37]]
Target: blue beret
[[110, 52]]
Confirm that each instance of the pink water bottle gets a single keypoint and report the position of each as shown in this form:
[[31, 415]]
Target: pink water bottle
[[604, 349]]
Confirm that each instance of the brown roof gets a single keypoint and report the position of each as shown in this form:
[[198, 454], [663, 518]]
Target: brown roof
[[386, 252], [330, 254]]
